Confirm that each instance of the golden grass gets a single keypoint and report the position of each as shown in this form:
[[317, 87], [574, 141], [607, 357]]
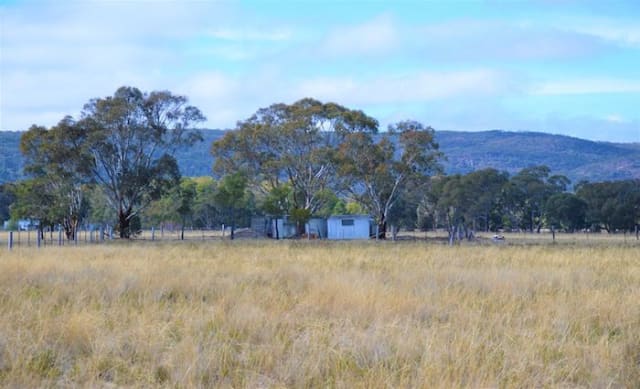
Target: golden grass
[[319, 314]]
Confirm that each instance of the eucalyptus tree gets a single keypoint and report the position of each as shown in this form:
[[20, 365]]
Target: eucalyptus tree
[[566, 211], [292, 145], [528, 192], [612, 205], [58, 168], [132, 138], [376, 172], [232, 196], [486, 197]]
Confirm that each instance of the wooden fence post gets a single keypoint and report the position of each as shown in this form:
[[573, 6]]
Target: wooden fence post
[[10, 243]]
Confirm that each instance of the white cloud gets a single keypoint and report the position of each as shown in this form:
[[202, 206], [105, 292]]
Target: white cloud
[[375, 37], [418, 87], [619, 32], [587, 86], [251, 34], [476, 39], [615, 118]]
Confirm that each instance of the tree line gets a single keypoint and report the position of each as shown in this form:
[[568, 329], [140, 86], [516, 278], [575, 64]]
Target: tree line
[[116, 165]]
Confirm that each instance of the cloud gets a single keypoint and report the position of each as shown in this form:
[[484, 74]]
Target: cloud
[[594, 128], [473, 39], [587, 86], [423, 86], [251, 34], [374, 37], [456, 73], [614, 31]]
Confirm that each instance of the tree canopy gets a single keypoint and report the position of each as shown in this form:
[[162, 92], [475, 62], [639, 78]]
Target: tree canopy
[[124, 143], [292, 144]]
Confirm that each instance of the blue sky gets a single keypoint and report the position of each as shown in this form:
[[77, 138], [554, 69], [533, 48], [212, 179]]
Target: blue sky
[[565, 67]]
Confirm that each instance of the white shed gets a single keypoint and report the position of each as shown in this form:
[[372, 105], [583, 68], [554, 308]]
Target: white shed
[[349, 227]]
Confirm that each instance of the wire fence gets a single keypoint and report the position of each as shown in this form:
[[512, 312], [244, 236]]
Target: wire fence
[[30, 238]]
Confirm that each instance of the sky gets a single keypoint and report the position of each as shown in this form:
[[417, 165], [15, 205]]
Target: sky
[[563, 67]]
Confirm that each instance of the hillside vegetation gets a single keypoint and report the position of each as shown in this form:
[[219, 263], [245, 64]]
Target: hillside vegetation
[[578, 159], [276, 314]]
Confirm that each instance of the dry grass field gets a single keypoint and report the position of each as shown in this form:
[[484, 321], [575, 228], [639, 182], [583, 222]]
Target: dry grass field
[[320, 314]]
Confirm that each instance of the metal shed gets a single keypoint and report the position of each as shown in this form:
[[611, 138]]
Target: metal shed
[[349, 227]]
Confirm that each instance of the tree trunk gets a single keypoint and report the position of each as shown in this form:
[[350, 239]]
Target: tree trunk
[[300, 229], [70, 226], [453, 231], [124, 223], [382, 229], [233, 224]]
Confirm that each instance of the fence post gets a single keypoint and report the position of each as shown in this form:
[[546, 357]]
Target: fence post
[[101, 233], [10, 244], [59, 236], [153, 233], [38, 239]]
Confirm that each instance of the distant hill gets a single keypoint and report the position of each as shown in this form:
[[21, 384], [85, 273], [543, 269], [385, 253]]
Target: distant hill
[[576, 158], [10, 157]]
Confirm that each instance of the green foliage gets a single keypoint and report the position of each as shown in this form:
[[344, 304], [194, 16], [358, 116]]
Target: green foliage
[[132, 137], [278, 200], [566, 211], [377, 173], [59, 168], [293, 145], [233, 197], [206, 213], [300, 217], [612, 205], [352, 208], [529, 191], [100, 211]]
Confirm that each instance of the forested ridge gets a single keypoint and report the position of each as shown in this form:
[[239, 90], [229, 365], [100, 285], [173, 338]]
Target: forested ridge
[[511, 151]]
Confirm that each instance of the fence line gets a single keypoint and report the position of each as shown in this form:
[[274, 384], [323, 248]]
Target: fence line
[[31, 238]]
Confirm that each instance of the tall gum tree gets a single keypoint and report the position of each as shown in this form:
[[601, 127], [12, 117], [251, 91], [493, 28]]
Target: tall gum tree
[[375, 173], [293, 145], [132, 137], [59, 170]]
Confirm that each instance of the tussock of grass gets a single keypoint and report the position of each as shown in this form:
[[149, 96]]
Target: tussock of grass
[[300, 314]]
